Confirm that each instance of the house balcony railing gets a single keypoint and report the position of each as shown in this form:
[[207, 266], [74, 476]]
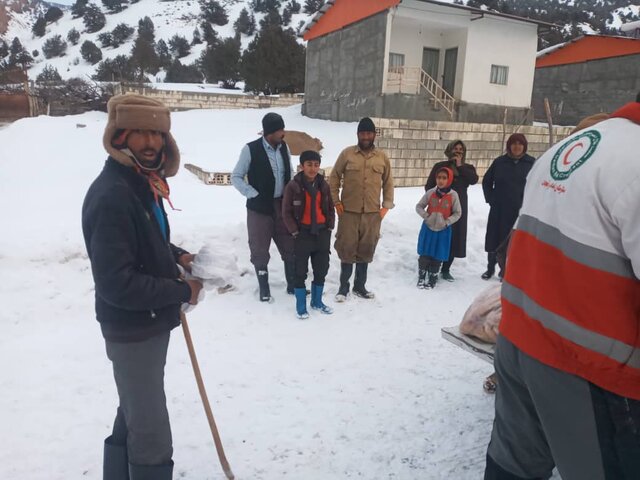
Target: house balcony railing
[[414, 80]]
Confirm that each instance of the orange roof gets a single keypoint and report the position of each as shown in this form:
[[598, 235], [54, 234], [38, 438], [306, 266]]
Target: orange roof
[[346, 12], [589, 47]]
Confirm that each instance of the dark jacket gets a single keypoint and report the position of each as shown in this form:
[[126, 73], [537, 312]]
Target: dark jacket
[[294, 200], [260, 176], [503, 187], [138, 293], [464, 176]]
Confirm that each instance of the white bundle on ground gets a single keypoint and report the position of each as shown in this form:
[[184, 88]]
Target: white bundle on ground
[[482, 318], [216, 267]]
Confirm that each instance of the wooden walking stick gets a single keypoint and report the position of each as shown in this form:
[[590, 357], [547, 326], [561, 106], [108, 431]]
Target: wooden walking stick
[[205, 400]]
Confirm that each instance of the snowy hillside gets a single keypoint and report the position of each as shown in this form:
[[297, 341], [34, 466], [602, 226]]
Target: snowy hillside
[[371, 392]]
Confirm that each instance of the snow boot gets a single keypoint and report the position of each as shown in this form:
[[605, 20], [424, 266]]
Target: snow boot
[[422, 275], [447, 276], [116, 461], [290, 275], [346, 269], [360, 280], [263, 283], [488, 274], [316, 299], [301, 303], [151, 472], [433, 279]]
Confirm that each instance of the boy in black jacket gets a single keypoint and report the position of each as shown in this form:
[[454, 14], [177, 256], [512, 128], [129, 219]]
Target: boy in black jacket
[[308, 213], [138, 288]]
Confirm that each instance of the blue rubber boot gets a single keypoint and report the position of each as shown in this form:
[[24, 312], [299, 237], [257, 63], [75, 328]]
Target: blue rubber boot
[[301, 303], [316, 299]]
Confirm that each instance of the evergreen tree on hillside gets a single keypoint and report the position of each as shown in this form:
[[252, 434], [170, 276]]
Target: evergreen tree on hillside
[[39, 27], [53, 14], [18, 55], [90, 52], [54, 47], [78, 8], [120, 34], [105, 39], [73, 36], [197, 38], [286, 16], [264, 6], [49, 74], [294, 6], [146, 29], [209, 35], [93, 18], [271, 19], [115, 70], [212, 11], [273, 63], [114, 6], [179, 46], [144, 59], [179, 73], [221, 62], [312, 6], [245, 23], [4, 49], [164, 56]]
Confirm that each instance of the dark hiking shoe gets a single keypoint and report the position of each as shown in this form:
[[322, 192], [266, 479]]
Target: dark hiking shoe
[[488, 274], [433, 279], [447, 276], [363, 293]]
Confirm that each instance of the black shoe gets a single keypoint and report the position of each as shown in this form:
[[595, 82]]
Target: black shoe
[[447, 276], [360, 280], [422, 275], [488, 274], [263, 284], [363, 293], [433, 279]]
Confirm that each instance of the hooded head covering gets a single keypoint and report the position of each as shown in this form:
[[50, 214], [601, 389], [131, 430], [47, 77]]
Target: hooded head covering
[[449, 173], [449, 150], [517, 137], [135, 112]]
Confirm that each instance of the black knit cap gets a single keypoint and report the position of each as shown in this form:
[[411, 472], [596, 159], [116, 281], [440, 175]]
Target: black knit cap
[[366, 125], [309, 155], [272, 122]]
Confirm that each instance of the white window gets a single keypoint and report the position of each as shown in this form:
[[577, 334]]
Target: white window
[[499, 74], [396, 60]]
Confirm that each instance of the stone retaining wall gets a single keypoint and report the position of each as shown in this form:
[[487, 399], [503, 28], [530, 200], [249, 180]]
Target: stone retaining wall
[[414, 146]]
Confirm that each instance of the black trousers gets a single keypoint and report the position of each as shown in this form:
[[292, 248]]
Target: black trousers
[[314, 247]]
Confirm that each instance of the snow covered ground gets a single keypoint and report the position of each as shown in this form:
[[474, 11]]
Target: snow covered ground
[[371, 392]]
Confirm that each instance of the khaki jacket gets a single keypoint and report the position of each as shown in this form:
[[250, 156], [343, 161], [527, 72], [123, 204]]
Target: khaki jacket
[[363, 176]]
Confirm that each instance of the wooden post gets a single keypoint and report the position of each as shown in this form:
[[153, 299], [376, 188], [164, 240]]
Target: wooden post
[[547, 111]]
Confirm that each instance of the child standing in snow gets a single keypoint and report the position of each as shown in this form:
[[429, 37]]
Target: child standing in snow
[[440, 208], [308, 213]]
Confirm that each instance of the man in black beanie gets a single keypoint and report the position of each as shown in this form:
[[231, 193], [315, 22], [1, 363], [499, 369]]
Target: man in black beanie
[[266, 164], [364, 172]]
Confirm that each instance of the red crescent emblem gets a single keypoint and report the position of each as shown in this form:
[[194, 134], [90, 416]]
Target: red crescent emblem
[[566, 155]]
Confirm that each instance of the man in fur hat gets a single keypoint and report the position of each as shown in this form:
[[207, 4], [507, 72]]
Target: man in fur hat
[[138, 287]]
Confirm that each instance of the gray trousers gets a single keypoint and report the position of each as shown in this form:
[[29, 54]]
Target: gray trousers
[[546, 417], [262, 229], [142, 420]]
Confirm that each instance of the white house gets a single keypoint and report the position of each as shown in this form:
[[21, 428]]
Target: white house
[[419, 59]]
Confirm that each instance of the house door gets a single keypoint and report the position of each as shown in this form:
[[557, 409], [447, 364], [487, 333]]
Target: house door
[[449, 75], [430, 61]]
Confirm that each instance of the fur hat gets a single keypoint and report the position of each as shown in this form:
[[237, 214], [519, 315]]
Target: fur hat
[[366, 125], [449, 173], [272, 122], [590, 121], [136, 112], [309, 155], [517, 137]]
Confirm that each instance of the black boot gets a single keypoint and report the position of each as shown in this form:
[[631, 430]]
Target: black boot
[[290, 275], [492, 259], [433, 279], [360, 280], [346, 269], [151, 472], [422, 274], [116, 461], [263, 283]]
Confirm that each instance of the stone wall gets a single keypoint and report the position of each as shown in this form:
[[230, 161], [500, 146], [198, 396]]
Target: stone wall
[[414, 146], [578, 90], [177, 100]]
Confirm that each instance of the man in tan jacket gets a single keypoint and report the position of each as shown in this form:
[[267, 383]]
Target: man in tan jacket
[[363, 171]]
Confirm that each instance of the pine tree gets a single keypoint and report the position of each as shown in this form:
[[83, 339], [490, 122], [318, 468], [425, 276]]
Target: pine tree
[[273, 62], [146, 29], [286, 16], [53, 14], [39, 27], [179, 46], [212, 11], [294, 6], [49, 74], [221, 62], [209, 35], [73, 36], [179, 73], [120, 34], [4, 49], [197, 38], [144, 58], [78, 8], [93, 18], [18, 55], [105, 39], [114, 6], [245, 23], [90, 52], [312, 6], [116, 69], [164, 56], [54, 47]]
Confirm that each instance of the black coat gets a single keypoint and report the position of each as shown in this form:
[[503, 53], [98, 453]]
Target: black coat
[[466, 175], [503, 187], [138, 293]]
